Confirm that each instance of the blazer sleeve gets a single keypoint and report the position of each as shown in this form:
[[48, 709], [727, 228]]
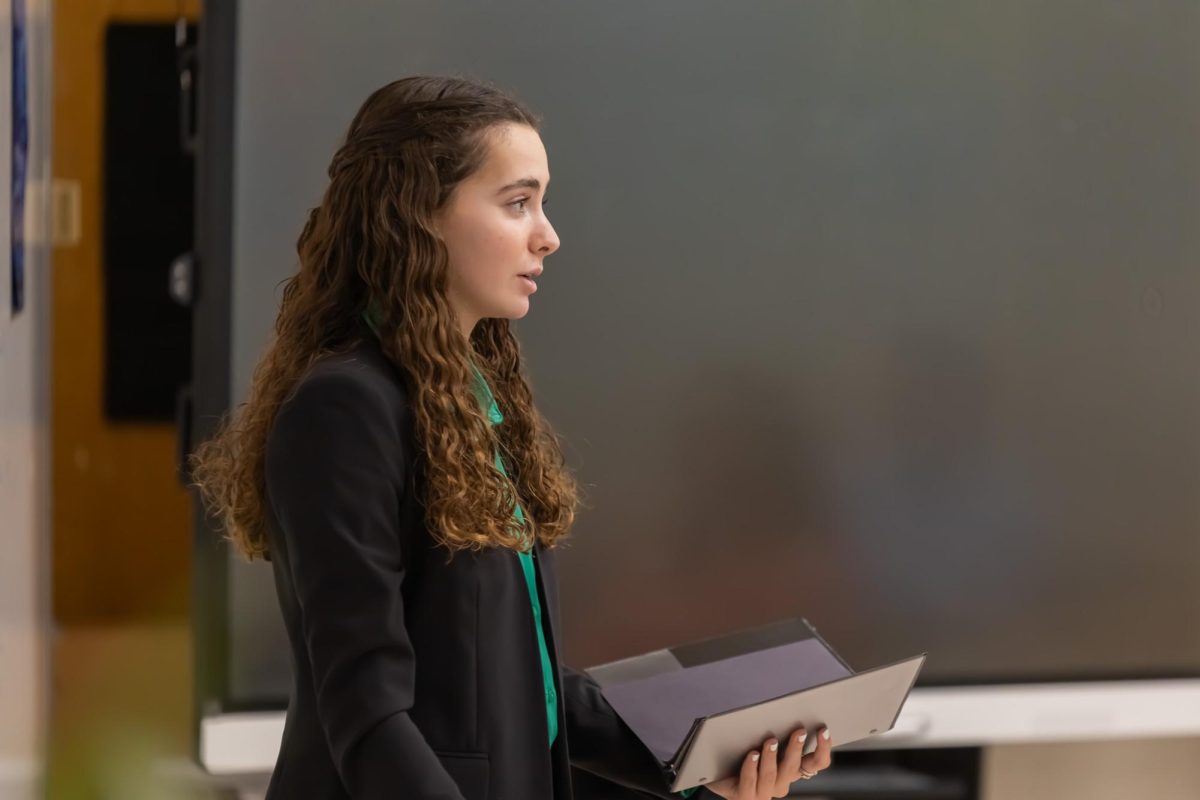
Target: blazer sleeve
[[602, 744], [335, 473]]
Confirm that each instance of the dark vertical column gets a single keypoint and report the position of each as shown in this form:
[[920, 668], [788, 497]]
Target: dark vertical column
[[211, 333]]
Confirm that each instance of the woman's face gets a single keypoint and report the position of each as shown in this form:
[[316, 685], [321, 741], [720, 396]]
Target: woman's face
[[496, 230]]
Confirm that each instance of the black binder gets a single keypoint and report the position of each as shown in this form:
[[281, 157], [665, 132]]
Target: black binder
[[700, 707]]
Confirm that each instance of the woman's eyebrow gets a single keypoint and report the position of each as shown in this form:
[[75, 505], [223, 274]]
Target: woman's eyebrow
[[526, 183]]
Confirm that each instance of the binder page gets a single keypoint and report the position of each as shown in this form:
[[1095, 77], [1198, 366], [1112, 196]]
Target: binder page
[[661, 709]]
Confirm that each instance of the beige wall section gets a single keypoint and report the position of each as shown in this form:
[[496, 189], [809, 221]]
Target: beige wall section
[[24, 436], [122, 528], [1159, 769]]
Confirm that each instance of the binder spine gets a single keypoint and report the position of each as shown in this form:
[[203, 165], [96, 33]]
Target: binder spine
[[676, 762]]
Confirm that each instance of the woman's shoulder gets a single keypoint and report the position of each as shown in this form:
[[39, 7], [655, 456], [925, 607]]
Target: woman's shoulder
[[343, 431], [361, 377]]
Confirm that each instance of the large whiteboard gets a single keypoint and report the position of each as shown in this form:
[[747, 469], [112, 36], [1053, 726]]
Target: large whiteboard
[[880, 314]]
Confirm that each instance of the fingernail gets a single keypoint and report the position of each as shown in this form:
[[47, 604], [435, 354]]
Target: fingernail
[[825, 733], [774, 746], [754, 757], [801, 738]]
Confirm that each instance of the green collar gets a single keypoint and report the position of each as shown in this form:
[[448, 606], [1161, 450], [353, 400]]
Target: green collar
[[486, 397], [482, 390], [371, 317]]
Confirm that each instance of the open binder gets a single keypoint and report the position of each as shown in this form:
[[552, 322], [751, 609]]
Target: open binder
[[700, 707]]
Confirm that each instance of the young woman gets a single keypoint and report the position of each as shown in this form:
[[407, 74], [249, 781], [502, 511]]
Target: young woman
[[392, 466]]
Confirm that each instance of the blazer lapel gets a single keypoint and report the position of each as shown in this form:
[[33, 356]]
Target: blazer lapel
[[547, 575]]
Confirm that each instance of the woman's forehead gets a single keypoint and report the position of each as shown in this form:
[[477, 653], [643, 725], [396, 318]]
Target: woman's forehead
[[515, 155]]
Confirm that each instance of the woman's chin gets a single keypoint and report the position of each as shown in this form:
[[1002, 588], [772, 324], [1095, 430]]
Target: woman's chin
[[517, 310]]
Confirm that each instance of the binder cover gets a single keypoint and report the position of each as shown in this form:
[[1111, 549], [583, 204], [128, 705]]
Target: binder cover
[[700, 707]]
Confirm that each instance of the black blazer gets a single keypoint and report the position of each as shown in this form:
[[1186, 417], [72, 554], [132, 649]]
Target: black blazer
[[413, 678]]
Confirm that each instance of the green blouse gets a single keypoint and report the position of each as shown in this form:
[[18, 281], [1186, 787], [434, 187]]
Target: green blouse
[[489, 401]]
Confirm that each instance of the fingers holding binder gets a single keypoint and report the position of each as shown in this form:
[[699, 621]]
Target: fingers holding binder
[[763, 776], [789, 770], [797, 766], [744, 785], [820, 758]]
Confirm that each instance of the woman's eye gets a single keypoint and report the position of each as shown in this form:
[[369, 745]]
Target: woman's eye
[[524, 200]]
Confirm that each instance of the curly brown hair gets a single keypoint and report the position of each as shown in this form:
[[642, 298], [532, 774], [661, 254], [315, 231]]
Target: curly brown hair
[[371, 244]]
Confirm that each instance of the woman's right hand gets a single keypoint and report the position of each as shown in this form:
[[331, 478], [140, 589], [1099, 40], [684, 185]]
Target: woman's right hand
[[763, 776]]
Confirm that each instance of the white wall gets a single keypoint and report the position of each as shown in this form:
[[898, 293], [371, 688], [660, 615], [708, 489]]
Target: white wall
[[24, 430]]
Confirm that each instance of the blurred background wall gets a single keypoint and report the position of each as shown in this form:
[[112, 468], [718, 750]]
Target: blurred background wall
[[121, 542], [24, 416]]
